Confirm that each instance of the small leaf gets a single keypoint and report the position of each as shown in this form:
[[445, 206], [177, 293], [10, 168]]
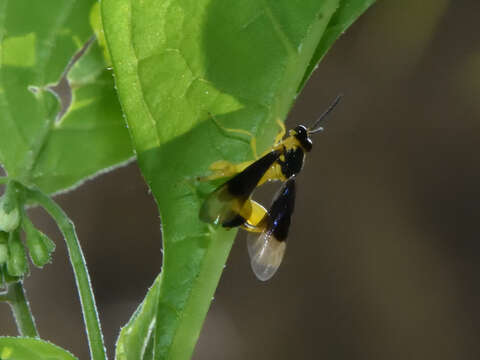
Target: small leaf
[[17, 259], [55, 143], [31, 349], [137, 337]]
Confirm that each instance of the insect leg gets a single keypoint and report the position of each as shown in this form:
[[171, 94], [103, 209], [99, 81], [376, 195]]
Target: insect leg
[[253, 139], [274, 173], [281, 134], [223, 168]]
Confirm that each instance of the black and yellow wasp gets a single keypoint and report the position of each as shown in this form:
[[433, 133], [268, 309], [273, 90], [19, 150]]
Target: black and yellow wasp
[[231, 204]]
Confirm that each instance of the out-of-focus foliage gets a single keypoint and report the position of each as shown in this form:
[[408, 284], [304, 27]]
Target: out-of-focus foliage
[[60, 120]]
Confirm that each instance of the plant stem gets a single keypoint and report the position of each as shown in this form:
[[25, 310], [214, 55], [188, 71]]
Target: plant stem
[[87, 300], [21, 310], [4, 180]]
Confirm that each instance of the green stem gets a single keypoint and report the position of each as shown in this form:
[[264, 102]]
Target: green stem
[[21, 310], [90, 314], [4, 180]]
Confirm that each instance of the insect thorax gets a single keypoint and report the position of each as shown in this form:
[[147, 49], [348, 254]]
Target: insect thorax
[[293, 162]]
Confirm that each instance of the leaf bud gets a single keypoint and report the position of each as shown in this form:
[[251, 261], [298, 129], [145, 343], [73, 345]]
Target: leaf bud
[[39, 246], [17, 259]]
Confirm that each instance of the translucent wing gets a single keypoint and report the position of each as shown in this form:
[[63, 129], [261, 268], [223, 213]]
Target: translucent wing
[[266, 254], [229, 205], [221, 207], [267, 249]]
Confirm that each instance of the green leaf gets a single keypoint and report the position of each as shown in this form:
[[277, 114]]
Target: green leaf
[[137, 337], [12, 348], [43, 141], [175, 62], [348, 11]]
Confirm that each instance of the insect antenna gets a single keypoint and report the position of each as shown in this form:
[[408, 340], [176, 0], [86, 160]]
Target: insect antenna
[[315, 128]]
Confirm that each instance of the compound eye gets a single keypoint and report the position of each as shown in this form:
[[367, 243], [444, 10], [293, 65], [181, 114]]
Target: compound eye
[[299, 130]]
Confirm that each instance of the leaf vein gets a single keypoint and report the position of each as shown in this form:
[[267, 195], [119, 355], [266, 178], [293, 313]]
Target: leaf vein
[[278, 29]]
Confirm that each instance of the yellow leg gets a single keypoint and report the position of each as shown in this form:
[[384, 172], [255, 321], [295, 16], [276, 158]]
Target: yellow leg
[[274, 173], [253, 140], [281, 134], [223, 168]]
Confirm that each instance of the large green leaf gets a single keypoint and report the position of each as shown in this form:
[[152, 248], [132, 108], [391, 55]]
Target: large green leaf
[[348, 11], [37, 41], [175, 62], [28, 349]]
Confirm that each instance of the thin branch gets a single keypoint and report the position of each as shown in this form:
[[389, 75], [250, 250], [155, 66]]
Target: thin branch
[[87, 300], [15, 297]]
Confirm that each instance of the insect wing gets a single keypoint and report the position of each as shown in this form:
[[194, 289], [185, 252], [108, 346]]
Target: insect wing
[[267, 249], [221, 207], [228, 204], [266, 254]]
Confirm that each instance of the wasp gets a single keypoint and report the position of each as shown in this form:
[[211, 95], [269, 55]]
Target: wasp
[[231, 205]]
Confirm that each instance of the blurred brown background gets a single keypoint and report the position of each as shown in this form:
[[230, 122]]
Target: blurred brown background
[[382, 261]]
